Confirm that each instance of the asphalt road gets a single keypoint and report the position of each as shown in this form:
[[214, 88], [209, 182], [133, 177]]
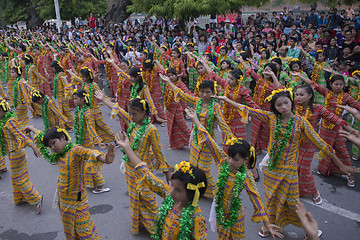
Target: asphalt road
[[338, 217]]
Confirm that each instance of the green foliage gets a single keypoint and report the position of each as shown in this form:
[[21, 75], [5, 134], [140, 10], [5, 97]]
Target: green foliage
[[189, 9], [17, 10]]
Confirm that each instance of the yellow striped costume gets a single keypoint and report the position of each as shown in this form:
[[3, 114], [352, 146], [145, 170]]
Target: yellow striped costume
[[55, 117], [2, 163], [147, 182], [201, 156], [15, 142], [281, 184], [143, 206], [237, 231], [21, 110], [93, 177], [63, 100], [2, 93], [35, 79]]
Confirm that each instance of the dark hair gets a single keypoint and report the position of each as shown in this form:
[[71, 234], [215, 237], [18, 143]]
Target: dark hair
[[137, 105], [52, 133], [318, 53], [245, 55], [199, 177], [267, 53], [336, 78], [4, 54], [272, 66], [236, 73], [36, 98], [22, 46], [227, 61], [309, 90], [17, 69], [223, 47], [275, 97], [87, 73], [242, 148], [81, 94], [293, 62], [207, 84], [127, 62], [277, 60], [28, 59], [171, 70], [148, 63], [177, 50], [135, 72], [293, 38], [58, 68]]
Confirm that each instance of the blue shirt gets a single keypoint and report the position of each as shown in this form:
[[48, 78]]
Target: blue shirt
[[293, 52]]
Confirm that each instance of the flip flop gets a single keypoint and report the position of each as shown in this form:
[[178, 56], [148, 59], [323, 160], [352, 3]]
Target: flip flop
[[319, 235], [3, 170], [263, 233], [103, 190], [39, 205], [350, 183], [318, 200]]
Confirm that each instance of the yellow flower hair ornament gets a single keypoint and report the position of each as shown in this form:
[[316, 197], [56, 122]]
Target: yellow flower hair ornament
[[240, 78], [356, 72], [4, 105], [35, 93], [148, 61], [195, 188], [275, 57], [273, 93], [318, 51], [294, 60], [185, 167], [233, 140], [65, 132]]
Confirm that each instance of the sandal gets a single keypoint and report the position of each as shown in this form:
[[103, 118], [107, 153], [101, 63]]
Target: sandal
[[39, 205], [318, 199], [350, 183], [102, 145], [263, 232], [319, 235], [163, 124], [355, 158], [98, 191], [4, 170]]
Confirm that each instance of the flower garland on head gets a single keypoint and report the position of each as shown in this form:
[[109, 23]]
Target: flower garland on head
[[16, 91], [79, 124], [338, 110], [52, 158], [45, 113], [139, 134], [3, 121], [236, 202], [90, 92], [187, 213], [55, 85], [315, 75], [229, 111], [210, 122], [274, 157], [170, 94]]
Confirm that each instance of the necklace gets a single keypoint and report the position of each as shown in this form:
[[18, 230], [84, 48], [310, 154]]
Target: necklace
[[274, 157], [316, 71], [79, 124], [45, 113], [186, 219], [300, 109], [169, 96], [338, 110], [261, 98], [134, 90], [55, 85], [210, 122], [3, 121], [16, 91], [139, 134], [236, 201], [229, 111]]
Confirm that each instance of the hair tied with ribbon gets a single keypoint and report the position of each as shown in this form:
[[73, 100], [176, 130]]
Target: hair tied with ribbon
[[273, 93], [4, 105], [195, 188]]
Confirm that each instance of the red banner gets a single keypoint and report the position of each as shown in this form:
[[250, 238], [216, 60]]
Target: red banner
[[231, 16]]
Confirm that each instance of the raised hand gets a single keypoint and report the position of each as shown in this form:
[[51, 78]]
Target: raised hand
[[100, 95], [122, 140]]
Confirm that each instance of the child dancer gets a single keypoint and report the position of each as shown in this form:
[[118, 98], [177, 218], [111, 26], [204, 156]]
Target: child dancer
[[13, 142], [179, 216], [233, 177], [72, 198], [280, 174], [146, 144]]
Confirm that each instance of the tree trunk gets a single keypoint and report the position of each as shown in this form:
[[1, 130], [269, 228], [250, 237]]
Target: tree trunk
[[35, 19], [117, 11]]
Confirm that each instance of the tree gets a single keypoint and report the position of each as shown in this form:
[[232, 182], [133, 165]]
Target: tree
[[117, 11], [36, 11]]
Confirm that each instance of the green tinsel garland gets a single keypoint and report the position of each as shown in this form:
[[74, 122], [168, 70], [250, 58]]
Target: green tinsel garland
[[274, 157], [16, 91], [186, 219], [79, 124], [27, 71], [140, 133], [236, 202], [3, 121], [51, 158], [90, 92], [210, 121], [55, 86], [134, 89], [44, 112]]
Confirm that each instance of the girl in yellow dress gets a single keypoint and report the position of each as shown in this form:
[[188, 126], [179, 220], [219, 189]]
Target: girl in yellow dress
[[86, 136], [209, 111], [145, 142], [72, 197], [281, 174], [179, 216]]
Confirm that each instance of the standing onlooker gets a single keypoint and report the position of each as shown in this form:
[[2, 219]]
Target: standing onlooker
[[101, 21], [91, 21]]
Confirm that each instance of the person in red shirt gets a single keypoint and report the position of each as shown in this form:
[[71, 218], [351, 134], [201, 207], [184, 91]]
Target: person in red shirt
[[91, 21]]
